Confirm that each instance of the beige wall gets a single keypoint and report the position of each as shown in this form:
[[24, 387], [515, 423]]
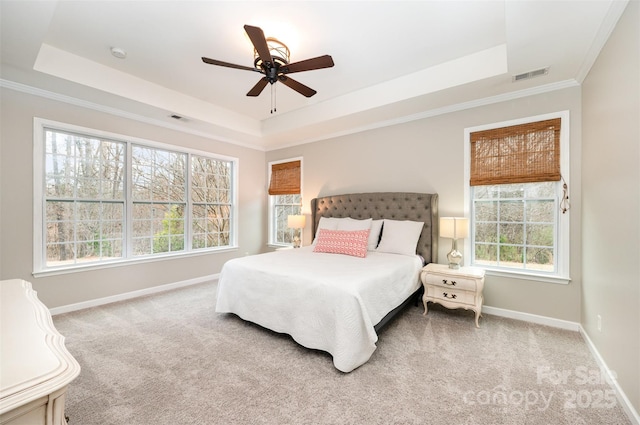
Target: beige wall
[[611, 203], [427, 156], [16, 210]]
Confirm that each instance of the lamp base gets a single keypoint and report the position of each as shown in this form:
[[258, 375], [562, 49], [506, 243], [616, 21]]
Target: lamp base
[[296, 242], [455, 259]]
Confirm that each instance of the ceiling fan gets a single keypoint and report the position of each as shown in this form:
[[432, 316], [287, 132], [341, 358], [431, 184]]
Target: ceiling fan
[[272, 60]]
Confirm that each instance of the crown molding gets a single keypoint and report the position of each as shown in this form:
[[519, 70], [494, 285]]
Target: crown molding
[[379, 124], [604, 32], [70, 100], [561, 85]]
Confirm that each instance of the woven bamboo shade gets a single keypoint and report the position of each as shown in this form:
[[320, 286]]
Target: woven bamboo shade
[[285, 178], [518, 154]]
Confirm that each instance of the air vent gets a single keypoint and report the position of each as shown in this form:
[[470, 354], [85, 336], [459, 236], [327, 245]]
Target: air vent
[[531, 74]]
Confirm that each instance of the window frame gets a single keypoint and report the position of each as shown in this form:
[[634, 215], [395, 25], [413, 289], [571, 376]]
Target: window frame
[[40, 268], [272, 205], [562, 221]]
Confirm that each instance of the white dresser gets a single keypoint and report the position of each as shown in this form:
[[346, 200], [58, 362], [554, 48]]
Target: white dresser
[[35, 366]]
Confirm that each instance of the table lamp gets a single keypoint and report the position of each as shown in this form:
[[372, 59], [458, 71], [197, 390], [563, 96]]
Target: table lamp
[[296, 222], [454, 228]]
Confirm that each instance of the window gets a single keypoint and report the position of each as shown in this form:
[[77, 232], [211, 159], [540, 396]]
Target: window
[[211, 194], [514, 226], [285, 198], [84, 199], [159, 194], [101, 199], [517, 192]]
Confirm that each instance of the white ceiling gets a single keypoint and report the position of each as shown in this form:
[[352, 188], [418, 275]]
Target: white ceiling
[[393, 59]]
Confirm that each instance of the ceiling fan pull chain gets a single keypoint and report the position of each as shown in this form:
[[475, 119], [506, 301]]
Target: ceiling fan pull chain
[[273, 98]]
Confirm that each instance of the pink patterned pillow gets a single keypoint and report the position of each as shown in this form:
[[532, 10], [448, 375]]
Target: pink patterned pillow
[[348, 242]]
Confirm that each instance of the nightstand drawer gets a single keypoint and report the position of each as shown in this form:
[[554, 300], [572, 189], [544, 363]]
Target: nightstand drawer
[[453, 288], [455, 282], [452, 295]]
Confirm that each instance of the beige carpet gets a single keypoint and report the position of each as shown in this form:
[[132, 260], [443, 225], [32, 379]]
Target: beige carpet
[[170, 359]]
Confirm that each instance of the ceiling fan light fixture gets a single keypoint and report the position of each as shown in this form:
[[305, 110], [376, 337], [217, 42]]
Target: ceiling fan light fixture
[[271, 59], [279, 53]]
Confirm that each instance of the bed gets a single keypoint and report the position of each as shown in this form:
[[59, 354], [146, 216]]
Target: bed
[[338, 302]]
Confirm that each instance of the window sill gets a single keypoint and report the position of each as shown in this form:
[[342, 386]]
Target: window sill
[[538, 277], [127, 262]]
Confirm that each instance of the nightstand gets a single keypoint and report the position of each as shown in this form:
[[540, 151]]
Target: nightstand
[[453, 288]]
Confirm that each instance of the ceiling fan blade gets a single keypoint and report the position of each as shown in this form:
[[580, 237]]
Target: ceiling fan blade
[[227, 64], [257, 89], [259, 42], [320, 62], [299, 87]]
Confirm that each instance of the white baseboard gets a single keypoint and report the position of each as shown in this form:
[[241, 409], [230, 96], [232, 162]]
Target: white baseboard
[[613, 381], [532, 318], [632, 414], [132, 294]]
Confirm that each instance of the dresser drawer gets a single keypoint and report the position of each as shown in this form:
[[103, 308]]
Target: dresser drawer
[[455, 282], [451, 295]]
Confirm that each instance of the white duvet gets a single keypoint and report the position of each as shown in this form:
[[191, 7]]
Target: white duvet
[[329, 302]]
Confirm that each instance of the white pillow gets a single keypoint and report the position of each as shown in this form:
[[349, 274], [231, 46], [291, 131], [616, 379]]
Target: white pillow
[[349, 223], [400, 237], [374, 234], [328, 223]]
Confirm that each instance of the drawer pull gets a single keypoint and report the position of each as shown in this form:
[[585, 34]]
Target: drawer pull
[[452, 296], [446, 282]]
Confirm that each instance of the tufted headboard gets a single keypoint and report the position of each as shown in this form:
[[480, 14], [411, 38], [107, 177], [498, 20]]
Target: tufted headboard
[[391, 205]]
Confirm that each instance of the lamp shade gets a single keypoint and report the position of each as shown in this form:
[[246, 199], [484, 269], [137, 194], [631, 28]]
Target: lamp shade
[[454, 227], [296, 221]]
